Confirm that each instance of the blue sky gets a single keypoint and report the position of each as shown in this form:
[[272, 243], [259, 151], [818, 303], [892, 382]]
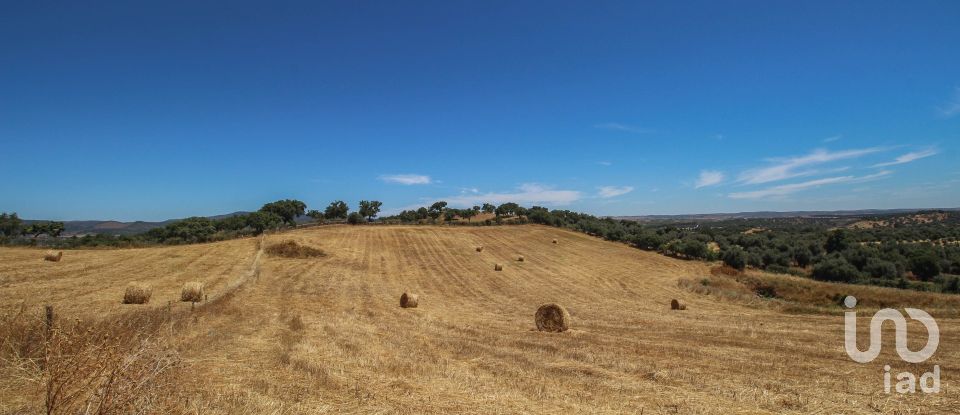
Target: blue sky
[[161, 110]]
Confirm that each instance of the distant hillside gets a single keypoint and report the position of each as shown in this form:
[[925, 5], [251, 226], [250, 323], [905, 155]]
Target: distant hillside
[[774, 215], [112, 227]]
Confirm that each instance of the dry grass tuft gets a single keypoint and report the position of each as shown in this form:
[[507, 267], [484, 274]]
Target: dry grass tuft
[[119, 365], [552, 318], [192, 292], [498, 267], [409, 300], [291, 249], [520, 258], [296, 323], [90, 372], [53, 257], [725, 270], [137, 293], [800, 295]]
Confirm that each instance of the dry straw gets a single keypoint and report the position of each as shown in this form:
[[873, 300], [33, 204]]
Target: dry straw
[[192, 292], [408, 300], [53, 257], [137, 293], [498, 267], [553, 318], [291, 249]]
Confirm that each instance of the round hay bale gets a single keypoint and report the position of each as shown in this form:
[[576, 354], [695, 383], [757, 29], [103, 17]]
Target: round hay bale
[[53, 257], [137, 293], [520, 258], [553, 318], [555, 241], [192, 292], [675, 305], [497, 267], [479, 249], [408, 300]]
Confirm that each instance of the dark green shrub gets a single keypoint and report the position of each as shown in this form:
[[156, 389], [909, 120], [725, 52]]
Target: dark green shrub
[[925, 267], [878, 268], [354, 218], [735, 258], [835, 269]]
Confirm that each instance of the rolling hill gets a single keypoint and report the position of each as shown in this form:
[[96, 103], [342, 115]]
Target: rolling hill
[[327, 334]]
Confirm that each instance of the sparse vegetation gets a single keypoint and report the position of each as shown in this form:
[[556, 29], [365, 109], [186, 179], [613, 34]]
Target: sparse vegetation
[[292, 249]]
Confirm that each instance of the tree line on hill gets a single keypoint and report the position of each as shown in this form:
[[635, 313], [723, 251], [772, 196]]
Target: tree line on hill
[[437, 210], [922, 255], [272, 216], [11, 226]]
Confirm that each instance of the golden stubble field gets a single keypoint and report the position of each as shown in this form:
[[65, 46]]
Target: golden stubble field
[[328, 335]]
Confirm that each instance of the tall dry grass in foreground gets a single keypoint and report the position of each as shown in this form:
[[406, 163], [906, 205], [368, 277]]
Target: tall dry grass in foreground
[[115, 366], [112, 362]]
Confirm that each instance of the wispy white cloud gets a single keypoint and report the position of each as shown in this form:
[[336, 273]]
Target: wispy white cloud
[[613, 191], [798, 166], [911, 156], [709, 178], [528, 193], [786, 189], [832, 138], [406, 179], [952, 108], [623, 127], [605, 163]]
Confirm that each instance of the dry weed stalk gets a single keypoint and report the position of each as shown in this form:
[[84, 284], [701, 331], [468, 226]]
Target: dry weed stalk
[[104, 367]]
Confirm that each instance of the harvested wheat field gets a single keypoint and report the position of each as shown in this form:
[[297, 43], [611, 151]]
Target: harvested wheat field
[[325, 334], [92, 282]]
